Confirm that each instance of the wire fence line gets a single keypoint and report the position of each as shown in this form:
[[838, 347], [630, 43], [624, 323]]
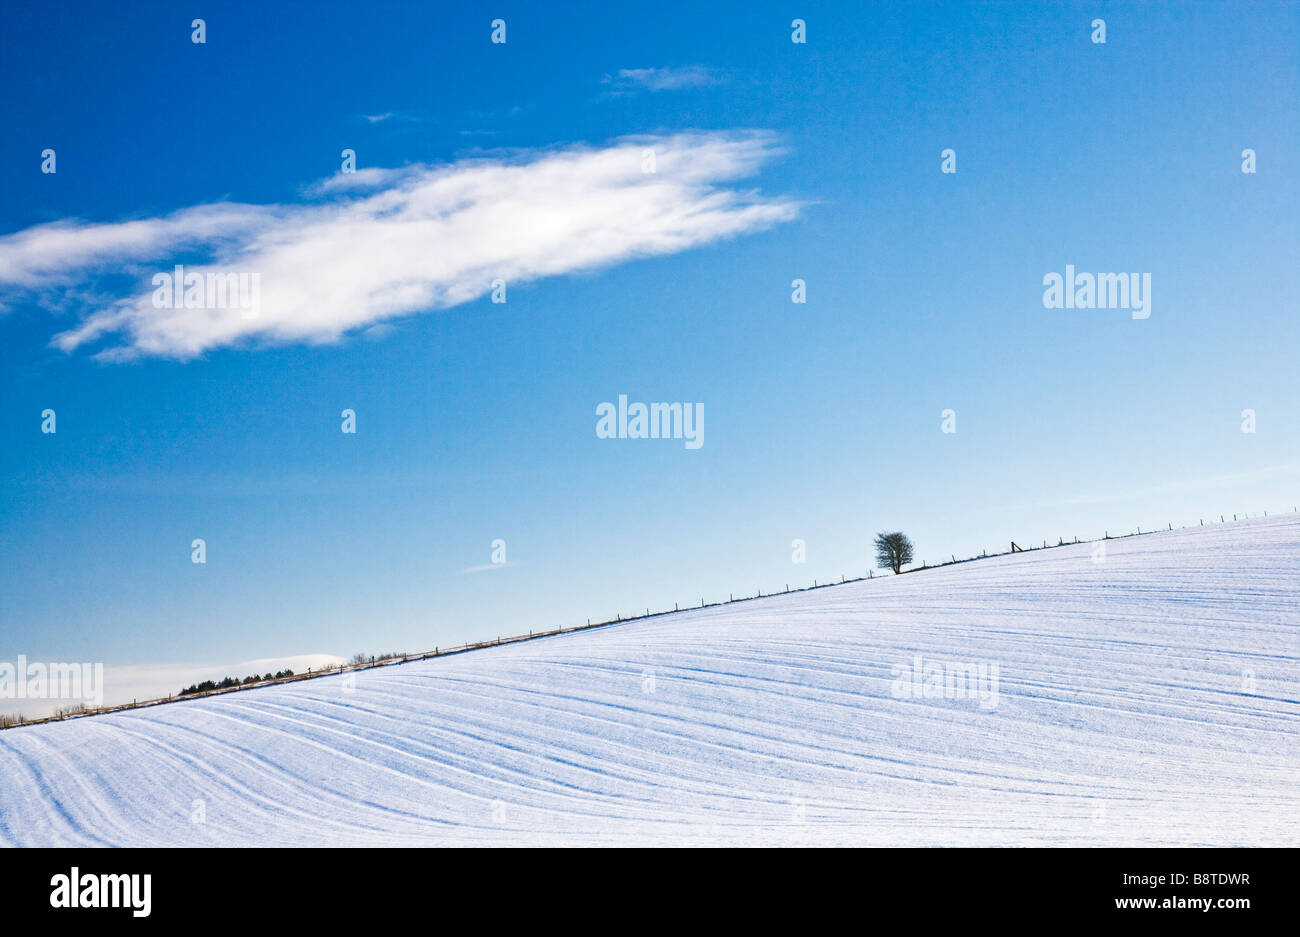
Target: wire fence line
[[11, 721]]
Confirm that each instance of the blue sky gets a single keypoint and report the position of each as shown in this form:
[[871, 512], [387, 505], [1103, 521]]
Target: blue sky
[[476, 420]]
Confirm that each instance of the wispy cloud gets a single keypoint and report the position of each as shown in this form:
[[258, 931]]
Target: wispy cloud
[[1206, 482], [366, 247], [397, 117], [662, 79], [470, 570]]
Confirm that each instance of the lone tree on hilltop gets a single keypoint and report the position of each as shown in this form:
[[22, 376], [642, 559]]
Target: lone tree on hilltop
[[893, 551]]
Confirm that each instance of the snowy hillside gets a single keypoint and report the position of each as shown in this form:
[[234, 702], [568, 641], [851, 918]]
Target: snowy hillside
[[1149, 698]]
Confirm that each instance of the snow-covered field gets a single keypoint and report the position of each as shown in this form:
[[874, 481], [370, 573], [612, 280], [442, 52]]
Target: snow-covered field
[[1152, 698]]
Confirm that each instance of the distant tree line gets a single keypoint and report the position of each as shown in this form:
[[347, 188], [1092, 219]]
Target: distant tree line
[[226, 683]]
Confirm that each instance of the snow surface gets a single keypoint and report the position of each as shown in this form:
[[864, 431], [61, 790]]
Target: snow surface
[[1152, 698]]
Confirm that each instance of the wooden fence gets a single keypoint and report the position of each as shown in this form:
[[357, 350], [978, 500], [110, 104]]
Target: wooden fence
[[392, 660]]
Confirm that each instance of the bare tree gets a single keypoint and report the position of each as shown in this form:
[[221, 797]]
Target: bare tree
[[893, 551]]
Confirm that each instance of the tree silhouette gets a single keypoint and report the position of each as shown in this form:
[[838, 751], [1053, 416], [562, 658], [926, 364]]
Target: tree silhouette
[[893, 551]]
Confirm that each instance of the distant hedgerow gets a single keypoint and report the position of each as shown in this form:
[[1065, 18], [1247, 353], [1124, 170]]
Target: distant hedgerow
[[227, 682]]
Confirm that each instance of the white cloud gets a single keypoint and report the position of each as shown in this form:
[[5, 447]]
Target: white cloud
[[48, 253], [486, 567], [368, 247], [663, 79], [145, 682], [369, 178]]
